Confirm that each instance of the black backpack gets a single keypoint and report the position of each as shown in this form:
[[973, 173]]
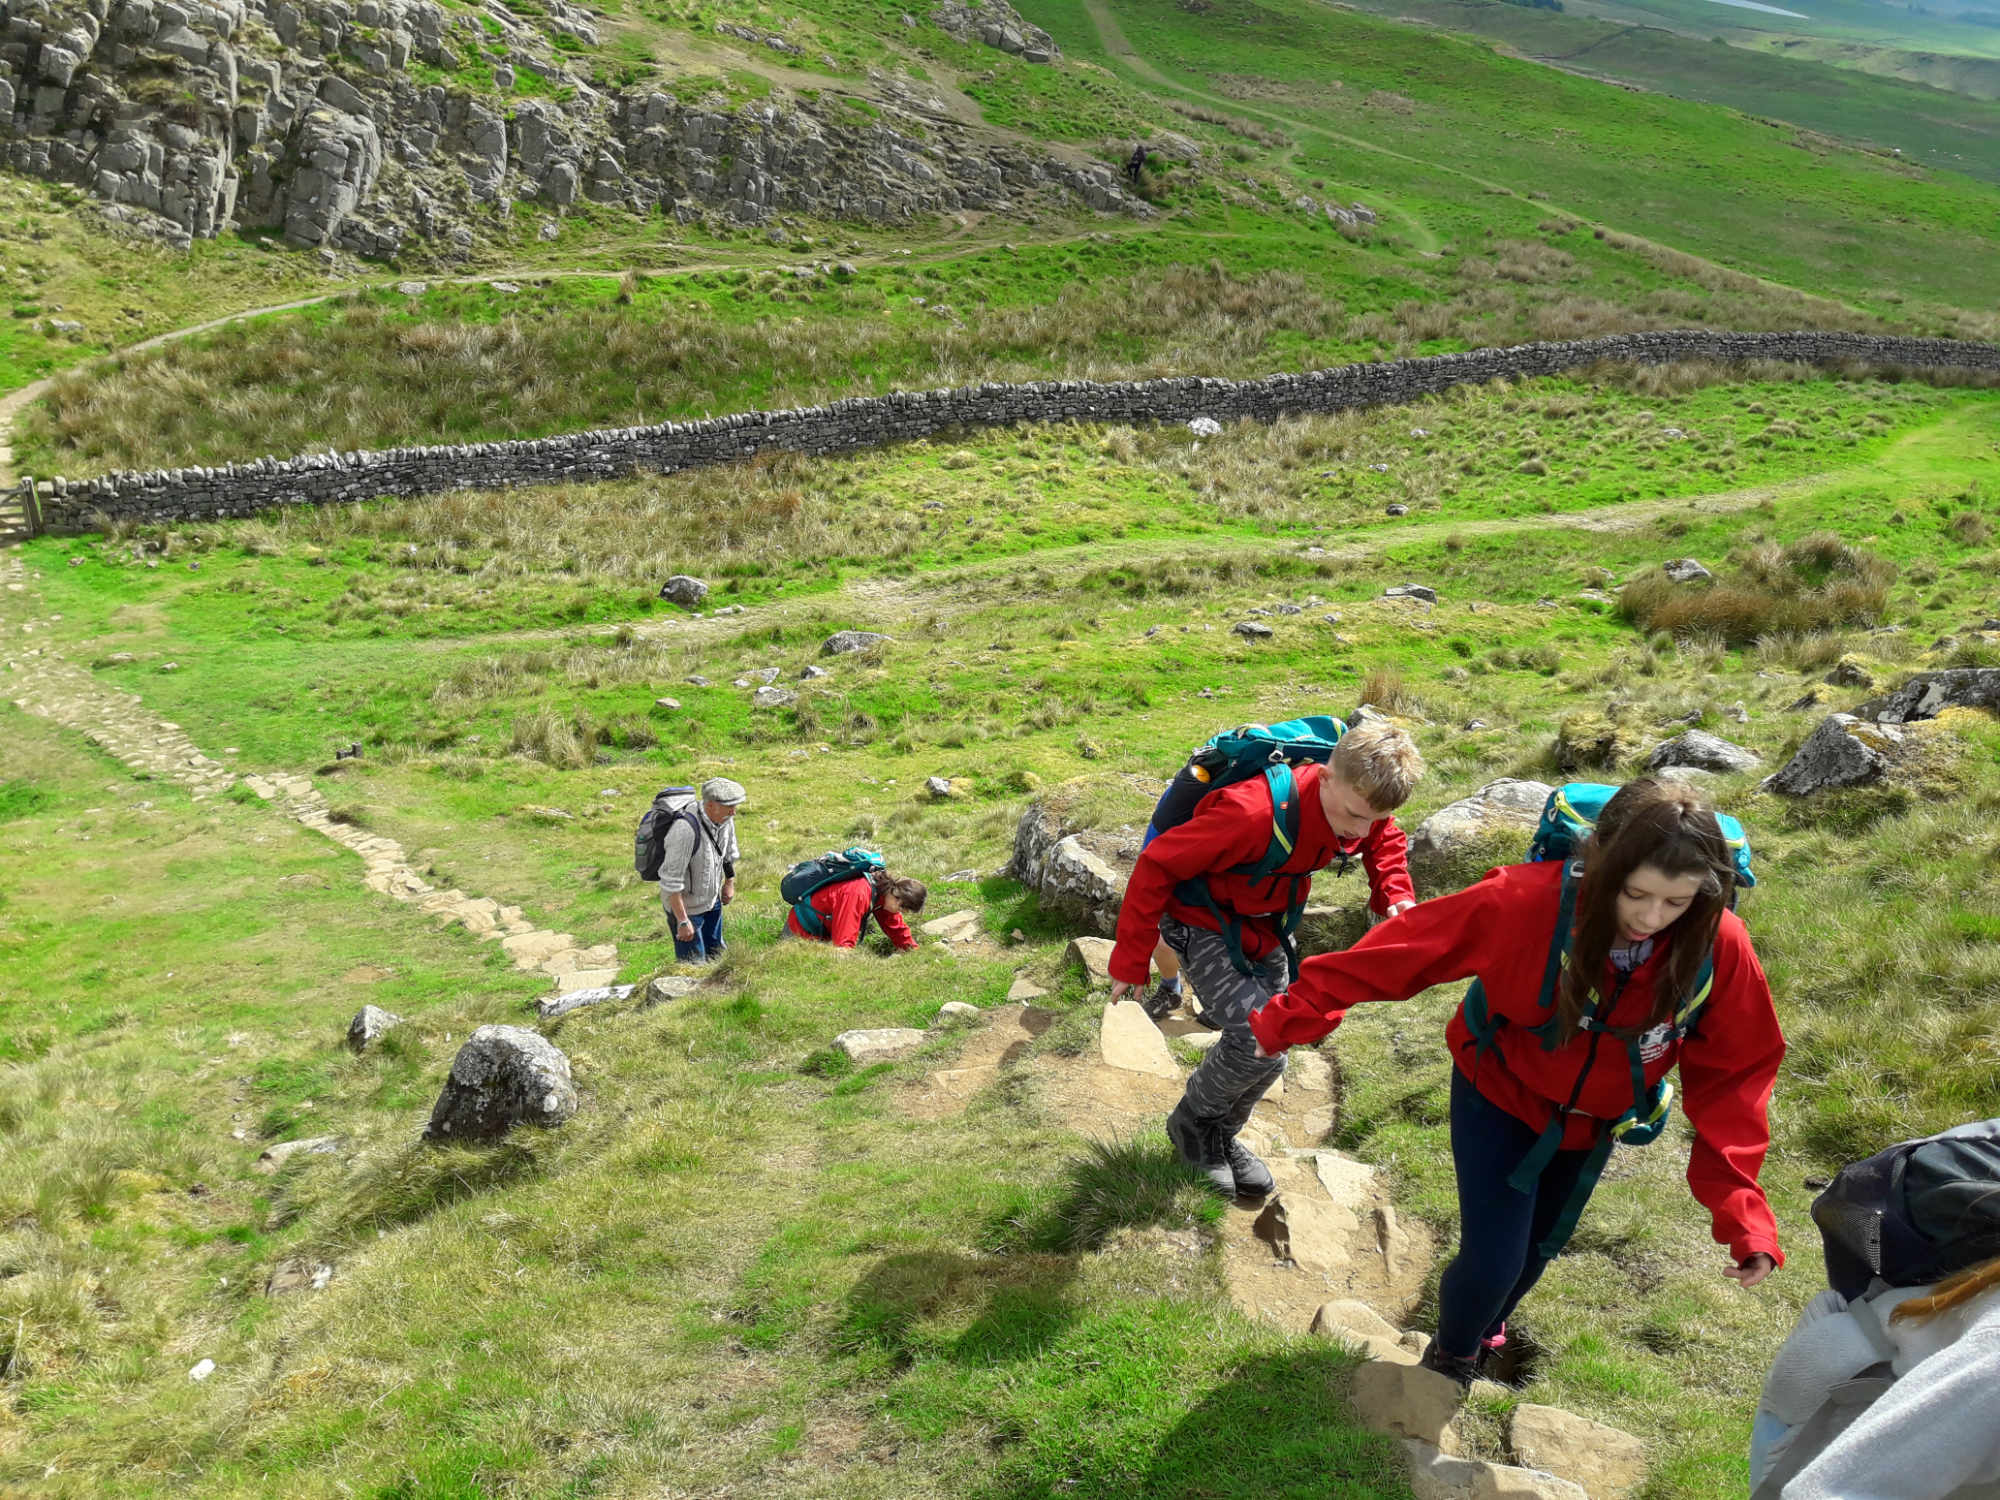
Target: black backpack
[[810, 875], [671, 805], [1915, 1213]]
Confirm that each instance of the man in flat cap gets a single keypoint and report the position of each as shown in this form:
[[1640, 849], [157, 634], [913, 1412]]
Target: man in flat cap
[[698, 870]]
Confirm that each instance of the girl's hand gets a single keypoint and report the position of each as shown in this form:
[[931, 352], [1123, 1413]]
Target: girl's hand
[[1752, 1271]]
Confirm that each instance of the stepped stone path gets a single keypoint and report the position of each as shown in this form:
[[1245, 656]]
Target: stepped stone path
[[41, 682], [1326, 1252]]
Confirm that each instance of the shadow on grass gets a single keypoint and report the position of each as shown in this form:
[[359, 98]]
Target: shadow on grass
[[419, 1179], [1271, 1427], [916, 1305]]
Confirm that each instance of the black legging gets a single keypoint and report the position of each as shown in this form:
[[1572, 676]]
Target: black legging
[[1498, 1228]]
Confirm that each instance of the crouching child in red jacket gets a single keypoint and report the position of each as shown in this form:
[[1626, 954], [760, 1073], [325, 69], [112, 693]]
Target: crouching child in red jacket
[[1226, 927], [845, 908], [1594, 978]]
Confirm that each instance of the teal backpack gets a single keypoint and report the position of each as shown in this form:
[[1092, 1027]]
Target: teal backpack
[[1567, 821], [811, 875], [1249, 750], [1572, 812]]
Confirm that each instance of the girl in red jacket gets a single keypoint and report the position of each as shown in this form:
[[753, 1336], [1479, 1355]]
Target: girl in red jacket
[[1561, 1049], [846, 907]]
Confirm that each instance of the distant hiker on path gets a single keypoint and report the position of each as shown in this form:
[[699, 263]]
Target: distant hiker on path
[[698, 870], [1224, 888], [1136, 162], [834, 897], [1595, 976]]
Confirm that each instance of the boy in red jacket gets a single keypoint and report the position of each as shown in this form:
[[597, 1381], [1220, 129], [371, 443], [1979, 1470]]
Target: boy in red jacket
[[846, 907], [1346, 808], [1538, 1088]]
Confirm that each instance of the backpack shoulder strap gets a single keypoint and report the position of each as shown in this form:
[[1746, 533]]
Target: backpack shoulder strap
[[1572, 881], [1479, 1017], [1283, 787]]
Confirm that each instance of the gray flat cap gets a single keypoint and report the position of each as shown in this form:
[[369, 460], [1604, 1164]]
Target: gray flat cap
[[724, 792]]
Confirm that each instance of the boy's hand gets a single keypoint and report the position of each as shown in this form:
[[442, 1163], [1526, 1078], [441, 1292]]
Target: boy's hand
[[1120, 990], [1752, 1271]]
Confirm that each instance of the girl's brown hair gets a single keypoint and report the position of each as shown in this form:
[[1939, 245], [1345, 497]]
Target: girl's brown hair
[[1953, 1291], [910, 894], [1665, 825]]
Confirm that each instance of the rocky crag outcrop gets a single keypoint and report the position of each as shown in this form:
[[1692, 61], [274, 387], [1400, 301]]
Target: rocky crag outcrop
[[371, 125]]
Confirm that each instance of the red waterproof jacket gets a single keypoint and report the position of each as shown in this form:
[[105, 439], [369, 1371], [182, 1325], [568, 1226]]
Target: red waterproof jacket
[[843, 906], [1233, 827], [1500, 931]]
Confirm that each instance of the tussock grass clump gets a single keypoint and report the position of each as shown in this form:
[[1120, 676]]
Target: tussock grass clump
[[1817, 583], [1116, 1185]]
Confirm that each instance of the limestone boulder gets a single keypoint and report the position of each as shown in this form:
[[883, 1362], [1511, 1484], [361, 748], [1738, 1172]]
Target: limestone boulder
[[1023, 990], [1079, 871], [1607, 1463], [879, 1044], [1929, 694], [843, 642], [1408, 1401], [1686, 570], [1307, 1072], [669, 987], [502, 1077], [275, 1156], [573, 1000], [686, 591], [1349, 1183], [1305, 1230], [1843, 752], [1698, 750], [958, 1013], [369, 1025], [1128, 1039], [1436, 1475], [1093, 956], [1359, 1326], [958, 927], [1457, 844]]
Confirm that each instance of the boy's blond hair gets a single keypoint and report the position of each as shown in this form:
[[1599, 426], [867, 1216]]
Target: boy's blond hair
[[1379, 761]]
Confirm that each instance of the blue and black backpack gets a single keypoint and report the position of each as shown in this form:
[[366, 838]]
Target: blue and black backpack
[[811, 875], [1568, 818], [1250, 750]]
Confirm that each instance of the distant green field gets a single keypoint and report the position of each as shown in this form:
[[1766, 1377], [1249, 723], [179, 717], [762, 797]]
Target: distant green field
[[1953, 133], [1442, 118]]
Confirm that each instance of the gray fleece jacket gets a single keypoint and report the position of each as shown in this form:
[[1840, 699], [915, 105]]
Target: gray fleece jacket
[[1934, 1434], [692, 861]]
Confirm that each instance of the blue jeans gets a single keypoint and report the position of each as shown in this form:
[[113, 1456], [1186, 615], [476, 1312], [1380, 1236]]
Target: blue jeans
[[706, 944], [1498, 1228]]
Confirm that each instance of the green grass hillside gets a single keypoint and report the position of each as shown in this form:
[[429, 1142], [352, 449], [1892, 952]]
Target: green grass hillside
[[743, 1268], [748, 1266]]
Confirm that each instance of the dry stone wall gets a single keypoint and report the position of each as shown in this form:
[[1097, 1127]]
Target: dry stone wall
[[865, 422]]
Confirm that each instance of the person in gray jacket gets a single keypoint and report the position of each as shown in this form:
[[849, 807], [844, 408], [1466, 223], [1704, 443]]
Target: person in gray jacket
[[698, 871], [1934, 1433]]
